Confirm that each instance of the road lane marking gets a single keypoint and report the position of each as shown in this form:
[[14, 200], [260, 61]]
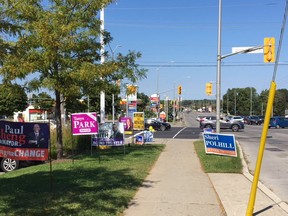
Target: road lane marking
[[179, 132]]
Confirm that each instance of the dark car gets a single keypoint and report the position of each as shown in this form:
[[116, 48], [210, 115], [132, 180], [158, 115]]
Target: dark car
[[261, 119], [210, 122], [253, 120], [157, 125]]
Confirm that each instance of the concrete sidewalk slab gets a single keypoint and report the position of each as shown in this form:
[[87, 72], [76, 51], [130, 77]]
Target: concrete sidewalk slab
[[176, 186], [234, 192]]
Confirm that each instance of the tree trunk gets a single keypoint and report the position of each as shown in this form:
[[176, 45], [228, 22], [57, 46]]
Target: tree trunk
[[59, 125]]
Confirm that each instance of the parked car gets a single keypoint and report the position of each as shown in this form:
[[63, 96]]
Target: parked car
[[210, 122], [236, 118], [157, 125], [51, 121], [261, 118], [253, 120], [278, 122], [8, 164], [199, 117]]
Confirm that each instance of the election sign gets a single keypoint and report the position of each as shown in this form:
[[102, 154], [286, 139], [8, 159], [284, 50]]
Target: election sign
[[221, 144], [24, 141], [138, 121], [84, 123], [109, 135], [148, 136]]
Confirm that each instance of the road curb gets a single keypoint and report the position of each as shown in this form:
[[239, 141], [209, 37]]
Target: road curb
[[262, 187]]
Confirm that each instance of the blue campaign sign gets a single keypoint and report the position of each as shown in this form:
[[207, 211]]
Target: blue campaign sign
[[139, 140], [221, 144]]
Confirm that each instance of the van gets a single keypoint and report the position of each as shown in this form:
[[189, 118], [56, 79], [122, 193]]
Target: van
[[278, 122]]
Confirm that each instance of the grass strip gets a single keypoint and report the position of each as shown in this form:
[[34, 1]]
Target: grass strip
[[217, 163], [101, 184]]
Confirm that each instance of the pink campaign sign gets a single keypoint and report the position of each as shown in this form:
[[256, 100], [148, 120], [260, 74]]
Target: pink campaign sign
[[84, 123]]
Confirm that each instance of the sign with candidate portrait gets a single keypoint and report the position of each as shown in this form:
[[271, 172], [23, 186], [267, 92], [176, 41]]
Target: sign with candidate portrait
[[127, 121], [221, 144], [24, 141], [109, 134]]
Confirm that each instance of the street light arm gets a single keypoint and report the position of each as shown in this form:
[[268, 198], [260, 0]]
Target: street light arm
[[113, 50], [251, 49]]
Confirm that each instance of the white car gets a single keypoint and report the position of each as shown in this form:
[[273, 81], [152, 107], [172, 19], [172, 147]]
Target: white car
[[52, 122], [235, 118]]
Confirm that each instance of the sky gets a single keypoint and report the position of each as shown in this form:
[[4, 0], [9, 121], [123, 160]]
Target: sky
[[178, 41]]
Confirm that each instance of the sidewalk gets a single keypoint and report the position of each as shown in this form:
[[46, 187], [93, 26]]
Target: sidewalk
[[177, 185]]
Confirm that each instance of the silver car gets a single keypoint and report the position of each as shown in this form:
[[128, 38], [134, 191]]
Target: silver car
[[226, 123]]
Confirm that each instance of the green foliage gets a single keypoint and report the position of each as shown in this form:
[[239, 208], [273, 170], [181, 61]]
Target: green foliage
[[149, 114], [280, 102], [12, 99], [145, 101], [242, 98], [58, 42], [217, 163], [101, 184], [42, 101]]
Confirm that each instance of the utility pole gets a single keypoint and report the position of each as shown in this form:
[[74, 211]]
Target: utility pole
[[102, 93], [235, 101]]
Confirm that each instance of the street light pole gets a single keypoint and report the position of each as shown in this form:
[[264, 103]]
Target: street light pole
[[218, 80], [251, 101], [174, 104], [157, 89], [113, 100], [157, 92]]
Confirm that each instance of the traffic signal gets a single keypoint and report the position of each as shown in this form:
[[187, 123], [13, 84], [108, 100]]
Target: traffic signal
[[269, 49], [209, 88], [179, 90], [131, 89]]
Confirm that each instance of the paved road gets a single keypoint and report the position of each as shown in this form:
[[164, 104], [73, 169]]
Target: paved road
[[274, 173]]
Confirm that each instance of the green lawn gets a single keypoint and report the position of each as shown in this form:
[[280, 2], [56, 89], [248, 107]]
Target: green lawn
[[217, 163], [92, 185]]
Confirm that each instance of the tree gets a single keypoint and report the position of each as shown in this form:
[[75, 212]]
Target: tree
[[12, 99], [263, 99], [58, 43], [7, 28], [145, 101], [280, 102], [239, 100], [42, 101]]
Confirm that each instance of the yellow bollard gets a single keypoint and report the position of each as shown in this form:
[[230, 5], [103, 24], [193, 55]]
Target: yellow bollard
[[252, 198]]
